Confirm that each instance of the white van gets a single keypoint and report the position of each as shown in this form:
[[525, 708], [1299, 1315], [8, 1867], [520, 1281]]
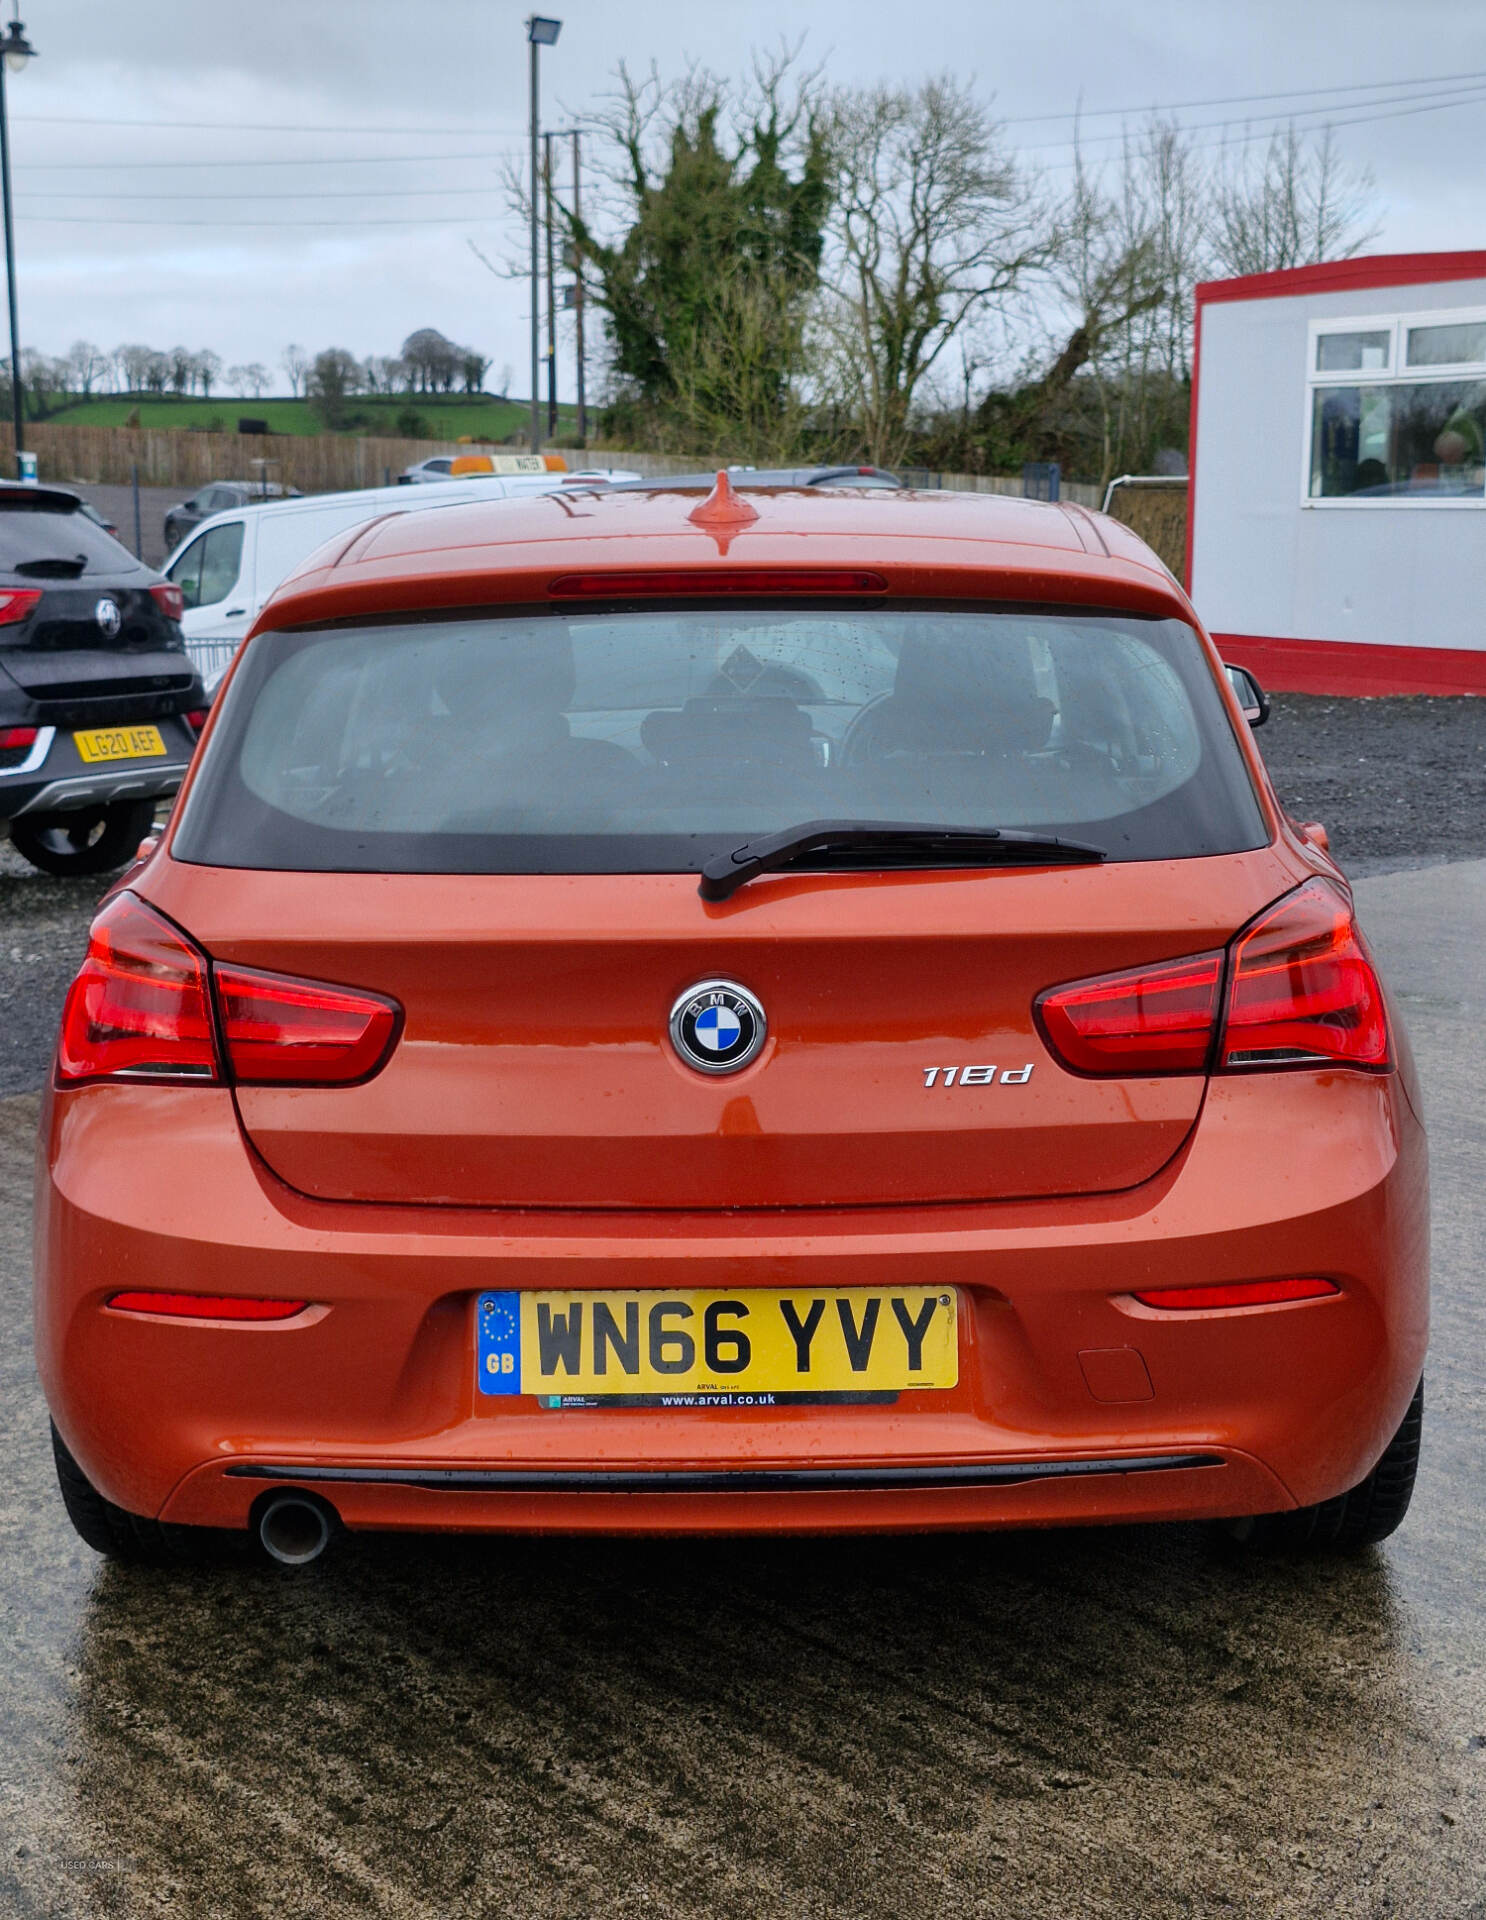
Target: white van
[[229, 565]]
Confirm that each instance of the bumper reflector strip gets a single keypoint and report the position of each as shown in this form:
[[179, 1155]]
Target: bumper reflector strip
[[1238, 1293], [206, 1306]]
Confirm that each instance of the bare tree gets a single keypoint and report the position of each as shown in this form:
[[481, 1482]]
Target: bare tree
[[296, 363], [208, 370], [86, 366], [934, 223], [251, 379], [1298, 204]]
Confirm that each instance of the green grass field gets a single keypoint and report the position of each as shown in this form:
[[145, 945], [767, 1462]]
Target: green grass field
[[444, 416]]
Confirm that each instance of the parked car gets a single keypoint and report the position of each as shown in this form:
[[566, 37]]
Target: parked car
[[798, 1014], [422, 471], [234, 561], [777, 477], [95, 686], [218, 498]]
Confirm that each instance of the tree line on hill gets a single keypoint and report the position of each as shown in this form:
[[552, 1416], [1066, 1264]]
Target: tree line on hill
[[789, 270], [426, 364]]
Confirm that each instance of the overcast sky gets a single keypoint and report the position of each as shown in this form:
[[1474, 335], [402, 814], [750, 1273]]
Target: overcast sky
[[313, 170]]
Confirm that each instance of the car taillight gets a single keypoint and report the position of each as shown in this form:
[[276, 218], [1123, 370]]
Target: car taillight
[[16, 603], [141, 1009], [206, 1306], [1302, 990], [138, 1008], [1236, 1293], [197, 718], [1144, 1020], [15, 746], [281, 1030], [1296, 988], [169, 599]]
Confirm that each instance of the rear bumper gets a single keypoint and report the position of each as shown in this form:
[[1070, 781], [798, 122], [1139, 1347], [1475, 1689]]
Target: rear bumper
[[54, 779], [370, 1396]]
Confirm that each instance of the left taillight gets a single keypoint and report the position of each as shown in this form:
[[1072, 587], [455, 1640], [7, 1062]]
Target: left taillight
[[1295, 988], [18, 603], [139, 1007], [142, 1008], [169, 599]]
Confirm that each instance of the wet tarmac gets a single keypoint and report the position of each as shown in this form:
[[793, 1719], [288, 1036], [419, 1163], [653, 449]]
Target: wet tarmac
[[1122, 1723]]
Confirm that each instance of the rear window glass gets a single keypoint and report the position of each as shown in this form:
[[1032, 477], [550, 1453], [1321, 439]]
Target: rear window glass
[[650, 740], [47, 542]]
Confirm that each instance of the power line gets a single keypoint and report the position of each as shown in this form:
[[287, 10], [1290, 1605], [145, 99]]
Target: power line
[[257, 126], [218, 226], [309, 193], [327, 160], [1458, 96], [1237, 99]]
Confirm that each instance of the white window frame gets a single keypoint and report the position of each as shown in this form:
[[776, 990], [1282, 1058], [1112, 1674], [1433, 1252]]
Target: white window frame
[[1397, 326]]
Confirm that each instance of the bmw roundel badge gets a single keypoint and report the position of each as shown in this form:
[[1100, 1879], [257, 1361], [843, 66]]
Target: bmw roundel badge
[[717, 1026]]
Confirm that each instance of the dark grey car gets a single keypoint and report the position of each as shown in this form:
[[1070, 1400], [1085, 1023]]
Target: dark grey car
[[218, 497], [96, 689]]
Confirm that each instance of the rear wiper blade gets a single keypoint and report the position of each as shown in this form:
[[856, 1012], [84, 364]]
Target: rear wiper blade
[[899, 843]]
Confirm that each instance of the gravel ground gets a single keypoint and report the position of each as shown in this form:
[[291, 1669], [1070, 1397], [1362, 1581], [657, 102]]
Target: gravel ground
[[1397, 783]]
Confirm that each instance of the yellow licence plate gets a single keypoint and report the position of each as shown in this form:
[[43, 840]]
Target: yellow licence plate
[[120, 743], [756, 1347]]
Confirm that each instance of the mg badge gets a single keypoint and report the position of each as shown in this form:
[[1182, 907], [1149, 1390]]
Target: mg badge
[[109, 619], [717, 1026]]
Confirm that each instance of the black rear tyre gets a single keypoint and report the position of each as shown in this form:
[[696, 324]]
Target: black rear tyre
[[1369, 1513], [120, 1535], [90, 840]]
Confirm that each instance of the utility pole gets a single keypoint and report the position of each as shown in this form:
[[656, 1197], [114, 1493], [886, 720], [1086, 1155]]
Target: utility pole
[[540, 32], [15, 51], [578, 298], [547, 140]]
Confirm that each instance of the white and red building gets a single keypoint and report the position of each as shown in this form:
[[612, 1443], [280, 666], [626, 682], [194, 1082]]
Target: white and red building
[[1336, 529]]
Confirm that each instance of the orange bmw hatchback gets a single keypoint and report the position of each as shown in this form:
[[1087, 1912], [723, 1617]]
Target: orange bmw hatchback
[[785, 1012]]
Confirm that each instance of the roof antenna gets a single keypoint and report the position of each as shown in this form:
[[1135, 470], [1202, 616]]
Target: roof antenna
[[723, 509]]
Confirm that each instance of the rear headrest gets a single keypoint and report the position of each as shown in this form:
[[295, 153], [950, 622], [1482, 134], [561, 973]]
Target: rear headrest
[[967, 691], [485, 674]]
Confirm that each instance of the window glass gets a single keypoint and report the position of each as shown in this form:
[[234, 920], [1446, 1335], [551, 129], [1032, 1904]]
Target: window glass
[[186, 573], [1426, 440], [1447, 346], [1353, 352], [42, 538], [648, 741], [221, 562]]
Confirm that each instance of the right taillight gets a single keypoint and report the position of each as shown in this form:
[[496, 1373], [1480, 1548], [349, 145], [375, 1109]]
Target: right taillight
[[1296, 988], [147, 1004], [1302, 989]]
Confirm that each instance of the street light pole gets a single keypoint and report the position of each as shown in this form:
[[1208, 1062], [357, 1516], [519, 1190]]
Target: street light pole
[[540, 33], [15, 51]]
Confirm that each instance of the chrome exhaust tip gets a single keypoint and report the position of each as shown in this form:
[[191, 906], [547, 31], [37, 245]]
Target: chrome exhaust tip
[[295, 1528]]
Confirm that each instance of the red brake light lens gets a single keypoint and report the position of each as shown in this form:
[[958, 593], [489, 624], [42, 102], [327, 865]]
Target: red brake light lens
[[16, 603], [169, 598], [206, 1306], [709, 582], [1237, 1293], [197, 718], [138, 1008], [1301, 992], [1302, 989], [17, 739], [280, 1030], [1145, 1020]]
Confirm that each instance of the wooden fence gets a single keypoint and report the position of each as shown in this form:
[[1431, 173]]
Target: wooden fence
[[333, 463]]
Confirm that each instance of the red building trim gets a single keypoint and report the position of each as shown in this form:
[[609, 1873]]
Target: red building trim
[[1349, 667], [1334, 666]]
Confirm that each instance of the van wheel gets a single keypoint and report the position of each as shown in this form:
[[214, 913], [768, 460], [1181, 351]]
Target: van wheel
[[1369, 1513], [89, 840], [120, 1535]]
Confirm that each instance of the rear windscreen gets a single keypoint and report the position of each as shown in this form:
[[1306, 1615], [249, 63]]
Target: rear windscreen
[[45, 541], [648, 740]]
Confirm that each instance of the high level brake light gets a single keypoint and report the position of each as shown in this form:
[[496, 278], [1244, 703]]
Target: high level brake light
[[709, 582], [141, 1008], [1296, 988]]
